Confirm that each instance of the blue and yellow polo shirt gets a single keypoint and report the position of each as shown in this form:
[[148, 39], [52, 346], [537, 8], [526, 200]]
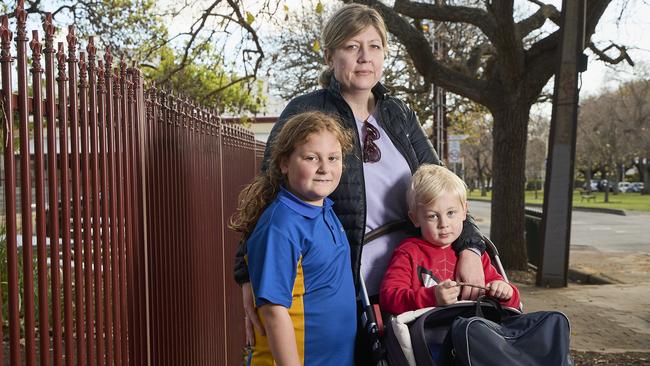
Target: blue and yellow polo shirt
[[299, 257]]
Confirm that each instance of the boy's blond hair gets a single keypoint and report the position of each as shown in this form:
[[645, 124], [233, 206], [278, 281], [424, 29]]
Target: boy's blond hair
[[430, 182]]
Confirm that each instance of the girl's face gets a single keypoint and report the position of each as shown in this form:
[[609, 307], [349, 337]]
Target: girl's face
[[313, 169], [359, 62], [441, 222]]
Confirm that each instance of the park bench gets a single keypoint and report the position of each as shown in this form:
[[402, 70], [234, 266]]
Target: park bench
[[587, 195]]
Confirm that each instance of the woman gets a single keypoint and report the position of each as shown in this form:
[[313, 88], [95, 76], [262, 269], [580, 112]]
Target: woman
[[390, 146]]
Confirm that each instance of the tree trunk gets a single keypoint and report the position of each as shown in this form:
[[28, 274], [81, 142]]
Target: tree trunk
[[644, 175], [508, 183]]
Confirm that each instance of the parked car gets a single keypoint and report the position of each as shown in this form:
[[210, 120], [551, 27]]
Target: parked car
[[623, 186], [635, 187], [604, 184], [592, 185]]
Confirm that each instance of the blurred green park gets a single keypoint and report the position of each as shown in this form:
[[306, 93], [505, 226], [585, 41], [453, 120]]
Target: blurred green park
[[619, 201]]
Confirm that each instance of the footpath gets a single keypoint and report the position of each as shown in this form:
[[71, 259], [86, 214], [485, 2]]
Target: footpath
[[610, 323], [605, 318]]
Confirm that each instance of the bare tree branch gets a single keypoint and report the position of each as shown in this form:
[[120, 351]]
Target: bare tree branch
[[448, 13], [602, 54], [537, 20]]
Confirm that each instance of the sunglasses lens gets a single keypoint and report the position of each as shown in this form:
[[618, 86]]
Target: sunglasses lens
[[372, 132], [371, 152]]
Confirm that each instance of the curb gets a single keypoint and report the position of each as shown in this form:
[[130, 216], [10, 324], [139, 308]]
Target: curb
[[581, 277], [586, 278]]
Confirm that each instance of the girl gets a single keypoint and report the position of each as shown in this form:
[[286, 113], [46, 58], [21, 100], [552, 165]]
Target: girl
[[298, 255]]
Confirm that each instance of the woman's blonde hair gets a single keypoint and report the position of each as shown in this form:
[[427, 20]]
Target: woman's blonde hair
[[257, 195], [346, 23], [432, 181]]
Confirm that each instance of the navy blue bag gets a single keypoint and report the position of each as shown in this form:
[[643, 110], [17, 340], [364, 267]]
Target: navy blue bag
[[540, 338]]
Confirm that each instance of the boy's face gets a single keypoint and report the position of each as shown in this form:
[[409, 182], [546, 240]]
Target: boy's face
[[440, 222]]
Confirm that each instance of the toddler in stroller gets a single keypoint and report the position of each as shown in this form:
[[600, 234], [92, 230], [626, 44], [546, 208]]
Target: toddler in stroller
[[419, 285], [422, 269]]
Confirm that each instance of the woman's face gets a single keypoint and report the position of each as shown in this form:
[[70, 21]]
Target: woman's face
[[359, 62]]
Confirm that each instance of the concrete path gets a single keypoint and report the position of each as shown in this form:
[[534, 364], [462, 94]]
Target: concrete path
[[604, 318]]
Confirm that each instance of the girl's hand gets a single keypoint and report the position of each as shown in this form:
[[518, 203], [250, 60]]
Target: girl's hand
[[446, 292], [500, 290], [251, 319]]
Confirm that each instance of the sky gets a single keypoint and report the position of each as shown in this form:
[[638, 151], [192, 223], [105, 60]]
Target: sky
[[633, 31]]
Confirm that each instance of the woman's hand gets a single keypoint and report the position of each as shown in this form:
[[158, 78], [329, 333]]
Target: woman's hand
[[446, 293], [470, 269], [251, 319], [500, 290]]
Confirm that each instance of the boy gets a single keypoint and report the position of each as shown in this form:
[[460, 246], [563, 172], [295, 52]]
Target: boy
[[421, 271]]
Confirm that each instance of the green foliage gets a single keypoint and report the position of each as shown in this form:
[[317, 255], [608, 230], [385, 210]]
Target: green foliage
[[205, 79], [125, 25]]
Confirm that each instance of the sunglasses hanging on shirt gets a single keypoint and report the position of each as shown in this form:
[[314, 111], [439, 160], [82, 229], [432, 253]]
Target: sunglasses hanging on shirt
[[371, 152]]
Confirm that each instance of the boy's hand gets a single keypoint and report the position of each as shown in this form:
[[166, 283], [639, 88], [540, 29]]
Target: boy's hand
[[500, 290], [446, 293]]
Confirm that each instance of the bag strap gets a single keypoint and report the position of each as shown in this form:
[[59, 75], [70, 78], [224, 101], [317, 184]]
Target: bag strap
[[490, 301]]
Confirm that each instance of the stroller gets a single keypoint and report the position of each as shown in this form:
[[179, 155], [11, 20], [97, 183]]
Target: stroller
[[407, 339]]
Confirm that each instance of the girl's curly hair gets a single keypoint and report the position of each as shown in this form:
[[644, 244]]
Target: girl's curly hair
[[257, 195]]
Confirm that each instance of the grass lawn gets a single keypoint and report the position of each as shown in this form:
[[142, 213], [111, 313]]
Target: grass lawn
[[621, 201]]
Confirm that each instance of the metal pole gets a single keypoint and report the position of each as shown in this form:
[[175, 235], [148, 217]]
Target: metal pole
[[558, 193]]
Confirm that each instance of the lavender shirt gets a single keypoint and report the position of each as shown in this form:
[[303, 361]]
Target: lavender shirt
[[385, 182]]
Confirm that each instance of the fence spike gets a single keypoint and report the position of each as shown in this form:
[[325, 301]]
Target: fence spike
[[72, 44], [92, 51], [100, 75], [49, 29], [122, 68], [21, 21], [83, 70], [60, 58], [108, 58], [5, 38], [36, 47]]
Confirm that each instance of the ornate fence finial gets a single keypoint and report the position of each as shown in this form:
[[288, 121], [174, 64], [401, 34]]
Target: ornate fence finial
[[92, 51], [117, 87], [83, 70], [122, 69], [5, 38], [21, 21], [136, 77], [48, 28], [72, 44], [60, 57], [130, 82], [108, 58], [100, 75], [36, 52]]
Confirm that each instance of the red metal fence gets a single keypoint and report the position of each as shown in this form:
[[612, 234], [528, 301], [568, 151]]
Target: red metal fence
[[116, 200]]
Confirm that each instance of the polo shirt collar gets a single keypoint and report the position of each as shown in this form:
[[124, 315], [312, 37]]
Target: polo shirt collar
[[301, 207]]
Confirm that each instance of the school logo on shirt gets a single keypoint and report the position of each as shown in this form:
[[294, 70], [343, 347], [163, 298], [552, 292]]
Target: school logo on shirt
[[427, 278]]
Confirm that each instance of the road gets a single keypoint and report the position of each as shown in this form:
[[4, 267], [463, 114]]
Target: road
[[599, 231]]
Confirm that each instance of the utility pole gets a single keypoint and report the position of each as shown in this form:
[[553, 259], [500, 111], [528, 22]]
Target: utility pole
[[558, 192], [439, 94]]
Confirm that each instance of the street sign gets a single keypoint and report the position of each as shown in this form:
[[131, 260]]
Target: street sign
[[453, 148], [457, 137]]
